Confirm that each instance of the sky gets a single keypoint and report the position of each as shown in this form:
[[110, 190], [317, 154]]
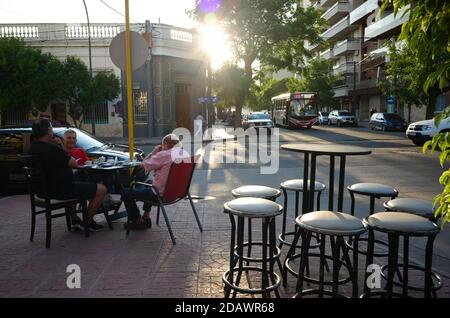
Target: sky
[[72, 11]]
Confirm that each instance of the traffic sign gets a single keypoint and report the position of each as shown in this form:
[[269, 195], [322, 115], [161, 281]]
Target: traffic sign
[[139, 50], [207, 99], [391, 100]]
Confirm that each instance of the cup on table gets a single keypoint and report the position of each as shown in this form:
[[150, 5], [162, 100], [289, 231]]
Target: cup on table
[[88, 163]]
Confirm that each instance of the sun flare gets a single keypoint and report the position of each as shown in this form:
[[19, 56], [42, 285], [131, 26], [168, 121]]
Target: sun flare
[[215, 42]]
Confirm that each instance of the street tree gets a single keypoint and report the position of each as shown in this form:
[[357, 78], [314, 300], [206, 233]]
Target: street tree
[[75, 88], [404, 77], [318, 78], [104, 86], [264, 87], [29, 79], [232, 85], [81, 92], [271, 31]]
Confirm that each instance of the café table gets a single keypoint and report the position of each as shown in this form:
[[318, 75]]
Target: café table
[[313, 150], [112, 169]]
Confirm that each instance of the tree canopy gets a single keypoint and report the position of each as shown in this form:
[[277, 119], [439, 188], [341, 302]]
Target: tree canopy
[[317, 77], [232, 85], [29, 79]]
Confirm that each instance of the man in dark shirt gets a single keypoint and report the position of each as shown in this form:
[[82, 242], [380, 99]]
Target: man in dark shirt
[[58, 165]]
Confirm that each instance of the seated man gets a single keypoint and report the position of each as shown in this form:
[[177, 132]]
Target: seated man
[[58, 165], [70, 141], [80, 156], [158, 161]]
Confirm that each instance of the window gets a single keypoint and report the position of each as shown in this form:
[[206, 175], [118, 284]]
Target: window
[[101, 114], [140, 106], [14, 117]]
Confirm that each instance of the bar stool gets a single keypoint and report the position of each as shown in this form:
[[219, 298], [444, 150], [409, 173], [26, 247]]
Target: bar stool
[[374, 191], [421, 208], [266, 211], [397, 224], [410, 205], [335, 225], [255, 191], [295, 185]]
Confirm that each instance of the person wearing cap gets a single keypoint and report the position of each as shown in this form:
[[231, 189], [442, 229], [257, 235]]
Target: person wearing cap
[[158, 161]]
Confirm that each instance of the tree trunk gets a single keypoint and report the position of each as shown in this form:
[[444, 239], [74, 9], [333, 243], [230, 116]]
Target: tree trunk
[[409, 113], [431, 107]]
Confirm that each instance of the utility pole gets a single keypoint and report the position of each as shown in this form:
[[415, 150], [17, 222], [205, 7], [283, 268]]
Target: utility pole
[[150, 116], [90, 66], [210, 113]]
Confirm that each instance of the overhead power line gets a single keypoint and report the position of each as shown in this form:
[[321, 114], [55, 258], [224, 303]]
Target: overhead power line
[[116, 11]]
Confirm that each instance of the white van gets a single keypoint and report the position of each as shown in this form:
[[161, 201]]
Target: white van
[[421, 131]]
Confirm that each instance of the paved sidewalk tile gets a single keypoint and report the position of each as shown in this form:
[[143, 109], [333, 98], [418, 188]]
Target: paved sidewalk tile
[[144, 264]]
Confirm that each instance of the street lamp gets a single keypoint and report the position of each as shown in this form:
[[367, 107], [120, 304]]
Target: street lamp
[[90, 65]]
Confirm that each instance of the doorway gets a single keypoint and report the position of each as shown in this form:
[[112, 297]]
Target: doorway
[[183, 105]]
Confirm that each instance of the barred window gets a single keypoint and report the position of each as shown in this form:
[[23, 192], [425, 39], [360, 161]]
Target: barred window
[[14, 117], [101, 114], [140, 106]]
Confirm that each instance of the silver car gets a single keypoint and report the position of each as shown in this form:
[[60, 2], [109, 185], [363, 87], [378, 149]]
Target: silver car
[[323, 118], [258, 120], [342, 117]]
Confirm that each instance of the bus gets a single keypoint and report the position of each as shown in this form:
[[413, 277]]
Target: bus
[[295, 110]]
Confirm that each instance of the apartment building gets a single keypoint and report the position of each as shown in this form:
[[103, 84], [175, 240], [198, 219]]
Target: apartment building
[[165, 89], [355, 43]]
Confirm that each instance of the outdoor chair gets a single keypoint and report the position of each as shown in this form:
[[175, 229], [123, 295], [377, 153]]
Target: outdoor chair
[[40, 198], [176, 189]]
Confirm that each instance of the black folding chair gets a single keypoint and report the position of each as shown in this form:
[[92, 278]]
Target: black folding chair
[[40, 198]]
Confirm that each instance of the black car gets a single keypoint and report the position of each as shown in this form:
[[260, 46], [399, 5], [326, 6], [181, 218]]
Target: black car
[[387, 121], [17, 140]]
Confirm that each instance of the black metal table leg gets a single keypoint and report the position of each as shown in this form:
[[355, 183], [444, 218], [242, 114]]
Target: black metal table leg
[[305, 206], [312, 183], [341, 184], [331, 185]]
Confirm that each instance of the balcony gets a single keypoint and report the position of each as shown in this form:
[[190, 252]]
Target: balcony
[[344, 68], [328, 54], [386, 25], [336, 12], [345, 47], [322, 4], [363, 10], [338, 29], [341, 91]]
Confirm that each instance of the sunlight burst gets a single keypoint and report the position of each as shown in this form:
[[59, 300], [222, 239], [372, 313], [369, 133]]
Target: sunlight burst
[[215, 42]]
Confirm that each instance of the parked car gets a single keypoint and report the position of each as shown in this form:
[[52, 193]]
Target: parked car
[[421, 131], [257, 120], [342, 117], [323, 118], [17, 140], [387, 121]]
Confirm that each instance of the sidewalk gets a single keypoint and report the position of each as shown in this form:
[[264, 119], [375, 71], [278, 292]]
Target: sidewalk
[[144, 264]]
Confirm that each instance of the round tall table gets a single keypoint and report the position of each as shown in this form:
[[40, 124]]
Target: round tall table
[[311, 151]]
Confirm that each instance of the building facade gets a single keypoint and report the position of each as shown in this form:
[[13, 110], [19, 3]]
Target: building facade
[[356, 38], [165, 89]]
